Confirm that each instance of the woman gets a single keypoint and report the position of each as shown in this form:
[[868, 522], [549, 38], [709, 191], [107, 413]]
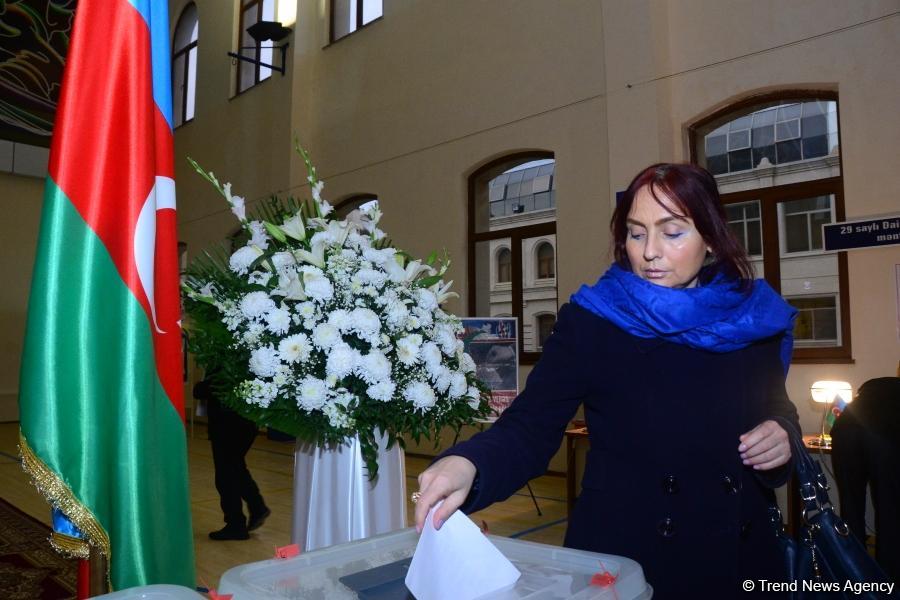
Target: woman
[[679, 358]]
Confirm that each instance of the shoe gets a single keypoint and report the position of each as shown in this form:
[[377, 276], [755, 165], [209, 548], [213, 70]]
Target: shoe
[[229, 532], [256, 521]]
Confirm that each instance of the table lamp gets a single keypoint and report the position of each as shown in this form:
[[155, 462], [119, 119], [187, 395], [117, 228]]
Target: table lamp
[[829, 392]]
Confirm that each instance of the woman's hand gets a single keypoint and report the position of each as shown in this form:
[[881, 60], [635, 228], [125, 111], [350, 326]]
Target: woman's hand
[[450, 480], [766, 446]]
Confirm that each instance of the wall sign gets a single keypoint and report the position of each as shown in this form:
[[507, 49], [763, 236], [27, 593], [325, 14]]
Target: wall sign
[[869, 233]]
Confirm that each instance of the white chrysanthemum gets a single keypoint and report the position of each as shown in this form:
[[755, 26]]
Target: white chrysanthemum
[[326, 335], [371, 277], [241, 260], [431, 356], [396, 314], [283, 260], [316, 284], [467, 363], [365, 322], [307, 310], [341, 319], [379, 257], [420, 395], [374, 367], [474, 395], [443, 379], [278, 321], [258, 235], [264, 361], [426, 299], [256, 304], [382, 391], [413, 323], [408, 349], [458, 385], [342, 359], [445, 338], [311, 393], [294, 348], [336, 417], [259, 277]]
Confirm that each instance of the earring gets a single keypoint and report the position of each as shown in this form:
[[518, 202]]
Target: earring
[[710, 259]]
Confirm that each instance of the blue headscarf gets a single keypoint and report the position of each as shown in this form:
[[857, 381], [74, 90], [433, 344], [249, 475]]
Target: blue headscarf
[[717, 316]]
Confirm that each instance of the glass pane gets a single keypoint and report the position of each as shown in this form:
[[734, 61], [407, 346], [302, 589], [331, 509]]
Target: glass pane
[[740, 123], [796, 234], [372, 9], [788, 151], [787, 130], [541, 201], [246, 70], [491, 299], [739, 139], [763, 136], [191, 83], [764, 117], [178, 89], [186, 30], [739, 160], [816, 220], [344, 17], [717, 144], [538, 293], [738, 230], [817, 320], [791, 111], [754, 238], [545, 325]]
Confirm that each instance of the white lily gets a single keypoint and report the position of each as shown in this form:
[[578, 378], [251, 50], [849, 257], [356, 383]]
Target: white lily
[[314, 256], [339, 230], [442, 291], [236, 202], [397, 272], [290, 285], [294, 227]]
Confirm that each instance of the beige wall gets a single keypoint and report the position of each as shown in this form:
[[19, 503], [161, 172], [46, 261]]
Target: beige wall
[[20, 205], [411, 105]]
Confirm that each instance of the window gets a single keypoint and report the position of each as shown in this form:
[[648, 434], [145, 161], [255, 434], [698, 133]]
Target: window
[[545, 325], [512, 236], [249, 74], [184, 65], [778, 197], [504, 266], [546, 261], [349, 15], [345, 207]]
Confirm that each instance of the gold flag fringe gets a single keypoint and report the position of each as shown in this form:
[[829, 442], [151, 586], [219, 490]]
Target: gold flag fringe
[[72, 547], [52, 487]]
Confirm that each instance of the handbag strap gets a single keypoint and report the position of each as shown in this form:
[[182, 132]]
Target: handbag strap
[[811, 481]]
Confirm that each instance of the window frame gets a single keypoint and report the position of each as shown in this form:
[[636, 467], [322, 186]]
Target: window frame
[[537, 261], [186, 51], [770, 223], [537, 326], [516, 236], [242, 27], [359, 18], [503, 282]]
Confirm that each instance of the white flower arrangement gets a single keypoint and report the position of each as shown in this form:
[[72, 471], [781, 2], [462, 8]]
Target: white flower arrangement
[[321, 328]]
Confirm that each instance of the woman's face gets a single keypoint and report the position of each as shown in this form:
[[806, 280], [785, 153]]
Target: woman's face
[[662, 248]]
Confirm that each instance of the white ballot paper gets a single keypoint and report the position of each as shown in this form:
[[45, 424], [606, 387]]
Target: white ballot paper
[[458, 562]]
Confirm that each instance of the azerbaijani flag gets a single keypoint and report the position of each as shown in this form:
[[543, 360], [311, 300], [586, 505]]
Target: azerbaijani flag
[[101, 406]]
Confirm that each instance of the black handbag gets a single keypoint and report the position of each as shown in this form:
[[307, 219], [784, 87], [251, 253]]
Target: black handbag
[[825, 559]]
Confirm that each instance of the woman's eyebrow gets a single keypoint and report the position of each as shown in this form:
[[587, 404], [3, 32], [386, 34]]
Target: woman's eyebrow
[[662, 221]]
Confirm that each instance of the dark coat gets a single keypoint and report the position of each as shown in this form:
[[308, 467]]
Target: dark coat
[[664, 483]]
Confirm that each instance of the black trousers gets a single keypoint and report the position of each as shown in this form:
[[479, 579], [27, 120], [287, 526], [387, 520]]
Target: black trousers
[[231, 437]]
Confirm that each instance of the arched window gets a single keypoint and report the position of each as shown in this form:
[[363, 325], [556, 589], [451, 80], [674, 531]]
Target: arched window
[[776, 159], [184, 65], [544, 327], [504, 266], [345, 207], [512, 207], [546, 261]]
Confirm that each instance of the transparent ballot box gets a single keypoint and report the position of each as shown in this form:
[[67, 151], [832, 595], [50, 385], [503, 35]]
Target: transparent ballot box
[[159, 591], [376, 567]]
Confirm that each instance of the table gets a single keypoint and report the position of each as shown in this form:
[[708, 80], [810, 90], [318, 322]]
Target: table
[[793, 495], [572, 435]]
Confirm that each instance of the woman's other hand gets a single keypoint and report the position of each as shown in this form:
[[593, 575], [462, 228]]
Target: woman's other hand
[[450, 480], [766, 446]]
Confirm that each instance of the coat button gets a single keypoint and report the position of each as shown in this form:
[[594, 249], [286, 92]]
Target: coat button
[[730, 484], [666, 527], [745, 530], [670, 484]]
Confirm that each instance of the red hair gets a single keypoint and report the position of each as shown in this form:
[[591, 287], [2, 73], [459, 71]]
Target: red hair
[[694, 192]]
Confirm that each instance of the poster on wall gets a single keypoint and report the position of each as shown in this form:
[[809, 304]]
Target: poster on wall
[[493, 343]]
